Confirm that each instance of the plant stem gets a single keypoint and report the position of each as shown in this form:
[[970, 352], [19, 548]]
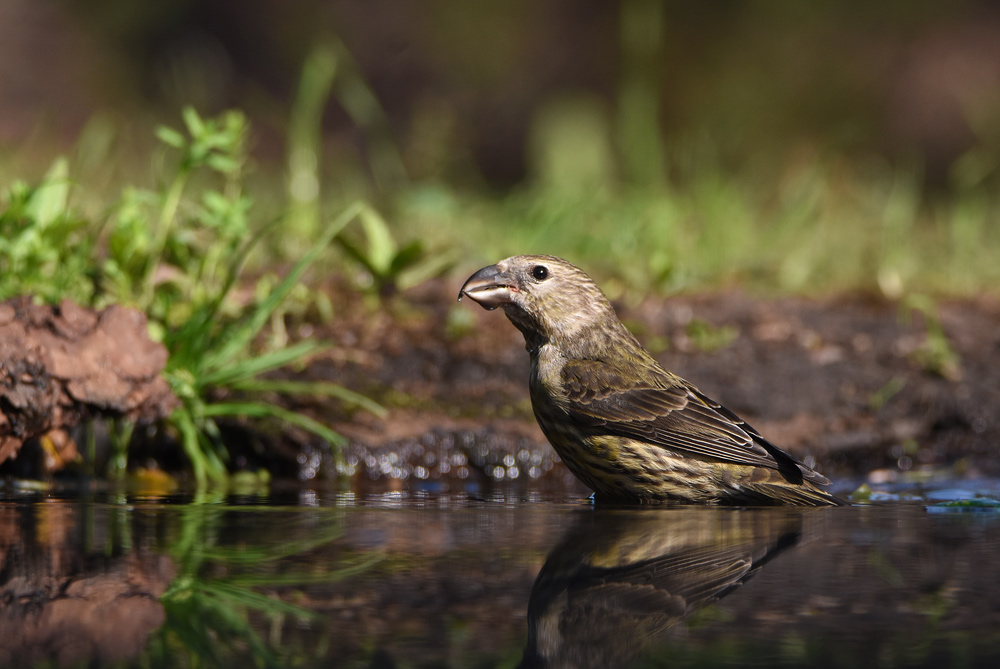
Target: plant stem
[[171, 203]]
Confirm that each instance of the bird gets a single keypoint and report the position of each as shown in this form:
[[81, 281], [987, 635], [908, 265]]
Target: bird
[[630, 430]]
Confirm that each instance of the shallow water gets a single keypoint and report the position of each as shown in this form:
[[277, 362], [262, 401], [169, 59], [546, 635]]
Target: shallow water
[[322, 579]]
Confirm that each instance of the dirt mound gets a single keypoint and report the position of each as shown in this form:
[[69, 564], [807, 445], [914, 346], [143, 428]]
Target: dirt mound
[[62, 365]]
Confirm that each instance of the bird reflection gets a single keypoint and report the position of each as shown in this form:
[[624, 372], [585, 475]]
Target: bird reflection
[[620, 577]]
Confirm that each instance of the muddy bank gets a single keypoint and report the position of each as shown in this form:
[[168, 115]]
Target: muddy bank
[[61, 366], [849, 382]]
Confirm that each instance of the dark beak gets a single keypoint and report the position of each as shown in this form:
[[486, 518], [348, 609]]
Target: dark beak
[[488, 287]]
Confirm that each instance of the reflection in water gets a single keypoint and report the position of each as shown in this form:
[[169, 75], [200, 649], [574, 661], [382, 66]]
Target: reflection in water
[[90, 584], [232, 581], [228, 558], [619, 578], [68, 593]]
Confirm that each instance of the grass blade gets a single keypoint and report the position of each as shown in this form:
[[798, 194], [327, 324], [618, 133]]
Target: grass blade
[[314, 388], [247, 369], [261, 410], [205, 463], [242, 336], [236, 595]]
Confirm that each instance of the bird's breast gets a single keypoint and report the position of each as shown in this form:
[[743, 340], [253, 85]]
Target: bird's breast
[[546, 381]]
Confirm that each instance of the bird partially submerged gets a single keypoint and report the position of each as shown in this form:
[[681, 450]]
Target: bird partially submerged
[[629, 429]]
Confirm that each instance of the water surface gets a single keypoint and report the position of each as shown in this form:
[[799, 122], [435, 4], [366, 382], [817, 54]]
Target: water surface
[[316, 579]]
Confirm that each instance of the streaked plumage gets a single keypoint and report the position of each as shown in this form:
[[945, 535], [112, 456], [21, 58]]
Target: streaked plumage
[[626, 427]]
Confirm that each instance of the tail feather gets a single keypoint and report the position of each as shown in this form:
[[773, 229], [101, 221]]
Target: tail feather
[[796, 495]]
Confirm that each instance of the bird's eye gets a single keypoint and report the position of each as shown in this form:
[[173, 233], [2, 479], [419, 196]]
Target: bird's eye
[[540, 272]]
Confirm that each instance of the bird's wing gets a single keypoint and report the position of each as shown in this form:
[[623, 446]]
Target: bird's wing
[[662, 409]]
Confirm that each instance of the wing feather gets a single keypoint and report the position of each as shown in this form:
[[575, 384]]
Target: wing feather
[[661, 409]]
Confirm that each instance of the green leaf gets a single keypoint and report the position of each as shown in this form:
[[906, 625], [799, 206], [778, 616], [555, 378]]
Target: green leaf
[[408, 255], [234, 594], [358, 255], [222, 163], [313, 388], [241, 337], [195, 126], [170, 137], [251, 367], [381, 245], [48, 201], [422, 271], [204, 461], [261, 410]]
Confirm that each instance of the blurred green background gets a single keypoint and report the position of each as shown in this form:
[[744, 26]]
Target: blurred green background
[[776, 145]]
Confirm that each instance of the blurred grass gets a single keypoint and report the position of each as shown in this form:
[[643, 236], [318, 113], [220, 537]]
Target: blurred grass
[[808, 222], [805, 222], [645, 206], [707, 208], [820, 225]]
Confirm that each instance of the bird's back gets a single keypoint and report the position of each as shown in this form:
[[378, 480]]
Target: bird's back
[[632, 431]]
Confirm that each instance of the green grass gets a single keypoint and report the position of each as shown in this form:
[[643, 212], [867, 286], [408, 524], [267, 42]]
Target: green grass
[[819, 228]]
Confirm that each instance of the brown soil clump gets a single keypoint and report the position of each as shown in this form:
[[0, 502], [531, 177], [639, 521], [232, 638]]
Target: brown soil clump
[[63, 365]]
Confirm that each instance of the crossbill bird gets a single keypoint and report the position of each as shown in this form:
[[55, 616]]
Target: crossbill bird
[[629, 429]]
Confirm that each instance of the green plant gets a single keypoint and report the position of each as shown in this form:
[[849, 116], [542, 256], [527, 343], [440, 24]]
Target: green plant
[[178, 254], [936, 354], [391, 267], [213, 365], [167, 254], [329, 69], [208, 354], [44, 246]]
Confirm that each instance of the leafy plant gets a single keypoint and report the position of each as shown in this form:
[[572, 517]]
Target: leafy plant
[[167, 255], [177, 253], [211, 353], [391, 267], [44, 246], [208, 355]]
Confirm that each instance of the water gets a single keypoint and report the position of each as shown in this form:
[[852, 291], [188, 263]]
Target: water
[[316, 579]]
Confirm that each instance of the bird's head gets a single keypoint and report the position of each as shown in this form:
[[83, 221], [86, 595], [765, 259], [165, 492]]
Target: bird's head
[[546, 297]]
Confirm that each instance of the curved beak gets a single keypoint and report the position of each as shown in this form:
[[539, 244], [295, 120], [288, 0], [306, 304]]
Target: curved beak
[[488, 287]]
